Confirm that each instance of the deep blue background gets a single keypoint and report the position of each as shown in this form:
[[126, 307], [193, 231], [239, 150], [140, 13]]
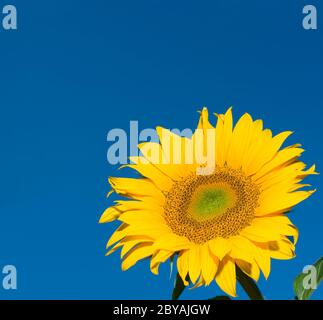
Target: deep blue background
[[75, 69]]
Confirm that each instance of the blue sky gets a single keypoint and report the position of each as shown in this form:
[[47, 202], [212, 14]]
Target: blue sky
[[76, 69]]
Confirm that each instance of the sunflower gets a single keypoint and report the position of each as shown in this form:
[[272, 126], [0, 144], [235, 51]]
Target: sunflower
[[216, 201]]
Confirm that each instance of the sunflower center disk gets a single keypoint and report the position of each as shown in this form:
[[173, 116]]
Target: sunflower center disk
[[211, 201], [203, 207]]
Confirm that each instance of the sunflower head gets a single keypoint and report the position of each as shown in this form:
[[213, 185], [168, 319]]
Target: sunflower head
[[214, 201]]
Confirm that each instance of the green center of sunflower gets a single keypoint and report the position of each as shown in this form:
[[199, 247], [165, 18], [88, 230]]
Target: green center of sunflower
[[203, 207], [210, 202]]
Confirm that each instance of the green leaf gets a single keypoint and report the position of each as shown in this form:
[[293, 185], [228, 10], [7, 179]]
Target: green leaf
[[248, 285], [306, 278], [178, 288], [221, 298]]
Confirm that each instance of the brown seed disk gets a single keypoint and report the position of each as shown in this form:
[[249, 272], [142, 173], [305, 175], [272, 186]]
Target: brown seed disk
[[240, 213]]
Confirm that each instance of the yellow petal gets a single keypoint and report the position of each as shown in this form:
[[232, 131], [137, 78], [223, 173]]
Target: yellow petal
[[172, 242], [269, 149], [142, 251], [182, 265], [194, 262], [246, 250], [284, 176], [278, 224], [199, 283], [110, 214], [153, 230], [240, 141], [144, 204], [250, 269], [226, 276], [262, 259], [223, 134], [204, 140], [177, 150], [220, 247], [242, 249], [117, 235], [159, 257], [282, 157], [131, 244], [153, 153], [136, 188], [255, 131], [114, 248], [150, 171], [308, 172], [259, 234], [142, 217], [260, 140], [278, 202], [209, 264], [204, 123], [282, 250]]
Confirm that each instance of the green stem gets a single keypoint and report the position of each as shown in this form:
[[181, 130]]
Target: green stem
[[248, 285], [178, 288]]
